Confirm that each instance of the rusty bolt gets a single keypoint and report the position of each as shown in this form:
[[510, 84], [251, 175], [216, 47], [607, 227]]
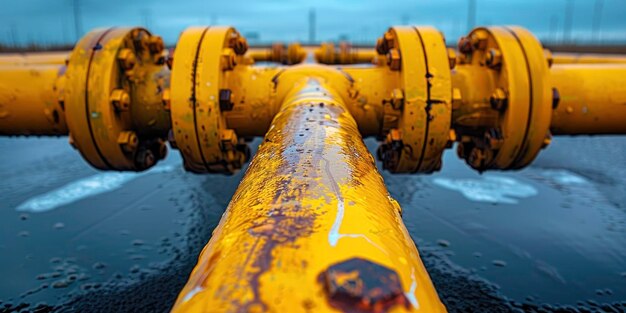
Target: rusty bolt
[[128, 141], [166, 99], [144, 159], [493, 138], [493, 58], [239, 45], [479, 40], [127, 59], [451, 58], [155, 44], [479, 158], [381, 46], [361, 283], [226, 103], [228, 59], [120, 99], [393, 59], [465, 45], [397, 98], [457, 98], [498, 100]]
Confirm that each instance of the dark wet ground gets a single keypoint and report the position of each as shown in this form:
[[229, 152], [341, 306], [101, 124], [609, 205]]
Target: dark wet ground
[[548, 238]]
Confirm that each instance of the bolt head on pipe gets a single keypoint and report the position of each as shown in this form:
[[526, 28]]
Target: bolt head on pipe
[[128, 141], [393, 59], [498, 100], [493, 58], [127, 59], [120, 100]]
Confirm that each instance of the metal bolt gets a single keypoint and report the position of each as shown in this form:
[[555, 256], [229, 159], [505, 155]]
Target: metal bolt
[[493, 58], [393, 59], [498, 100], [128, 141], [239, 45], [397, 99], [166, 99], [127, 59], [120, 99], [465, 45], [225, 96], [479, 39], [451, 58], [144, 159], [228, 59], [155, 44]]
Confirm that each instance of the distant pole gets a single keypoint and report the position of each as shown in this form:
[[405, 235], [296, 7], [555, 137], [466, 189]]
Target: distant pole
[[471, 15], [77, 19], [568, 21], [13, 33], [146, 14], [554, 24], [312, 26], [597, 20]]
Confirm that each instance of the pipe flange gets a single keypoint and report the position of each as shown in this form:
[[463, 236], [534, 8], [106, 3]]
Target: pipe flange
[[418, 142], [517, 66], [103, 71], [203, 57]]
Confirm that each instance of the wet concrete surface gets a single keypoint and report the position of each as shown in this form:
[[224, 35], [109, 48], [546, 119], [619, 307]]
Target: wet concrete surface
[[547, 238]]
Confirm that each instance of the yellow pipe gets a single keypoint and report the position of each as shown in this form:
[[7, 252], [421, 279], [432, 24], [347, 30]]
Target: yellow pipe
[[311, 226], [587, 58], [345, 53], [32, 58], [30, 102], [592, 99]]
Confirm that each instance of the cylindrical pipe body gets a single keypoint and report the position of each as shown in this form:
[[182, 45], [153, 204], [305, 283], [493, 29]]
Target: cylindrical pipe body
[[32, 58], [30, 102], [310, 219], [592, 99], [587, 58]]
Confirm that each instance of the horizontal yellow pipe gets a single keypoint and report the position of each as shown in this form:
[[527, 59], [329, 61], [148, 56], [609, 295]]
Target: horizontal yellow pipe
[[311, 226], [587, 58], [32, 58], [592, 99], [30, 102]]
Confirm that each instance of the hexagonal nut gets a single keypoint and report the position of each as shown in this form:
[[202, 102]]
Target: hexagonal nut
[[493, 58], [127, 59], [465, 45], [479, 39], [166, 99], [397, 98], [499, 100], [361, 283], [128, 141], [120, 99], [155, 44], [144, 159], [228, 59], [393, 60], [228, 139], [381, 46], [239, 45]]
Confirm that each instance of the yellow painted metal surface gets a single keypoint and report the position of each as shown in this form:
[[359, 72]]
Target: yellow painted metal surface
[[344, 53], [34, 58], [30, 101], [202, 58], [508, 64], [592, 99], [311, 199], [587, 58]]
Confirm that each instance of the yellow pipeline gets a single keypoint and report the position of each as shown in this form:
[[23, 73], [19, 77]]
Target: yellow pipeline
[[311, 226], [31, 58], [30, 102], [587, 58], [592, 99]]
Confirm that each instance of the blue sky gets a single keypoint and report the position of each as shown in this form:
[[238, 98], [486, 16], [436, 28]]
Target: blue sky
[[51, 21]]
